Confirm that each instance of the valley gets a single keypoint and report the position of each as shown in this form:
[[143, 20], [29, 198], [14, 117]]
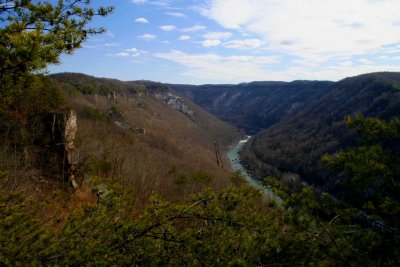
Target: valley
[[159, 140], [147, 167], [233, 155], [296, 123], [254, 150]]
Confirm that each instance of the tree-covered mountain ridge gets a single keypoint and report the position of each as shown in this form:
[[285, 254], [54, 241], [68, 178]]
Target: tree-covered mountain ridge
[[156, 136], [296, 123], [298, 142], [257, 105], [99, 172], [150, 206]]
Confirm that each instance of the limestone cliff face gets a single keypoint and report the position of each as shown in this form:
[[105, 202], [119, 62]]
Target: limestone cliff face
[[70, 129], [254, 106], [176, 102], [166, 95]]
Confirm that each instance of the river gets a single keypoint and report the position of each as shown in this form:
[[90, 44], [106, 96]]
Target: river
[[233, 156]]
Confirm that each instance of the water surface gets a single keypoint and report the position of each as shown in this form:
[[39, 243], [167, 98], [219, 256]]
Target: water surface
[[233, 156]]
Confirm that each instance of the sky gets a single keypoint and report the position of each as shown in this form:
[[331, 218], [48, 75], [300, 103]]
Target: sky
[[234, 41]]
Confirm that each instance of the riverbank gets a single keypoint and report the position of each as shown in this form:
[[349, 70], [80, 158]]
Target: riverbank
[[234, 159]]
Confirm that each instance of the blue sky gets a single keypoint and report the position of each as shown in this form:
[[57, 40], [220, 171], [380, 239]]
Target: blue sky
[[233, 41]]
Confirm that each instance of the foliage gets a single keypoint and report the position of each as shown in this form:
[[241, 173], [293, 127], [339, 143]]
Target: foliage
[[89, 85], [181, 178], [298, 141], [229, 228], [372, 170], [35, 33], [22, 237], [248, 105], [340, 236]]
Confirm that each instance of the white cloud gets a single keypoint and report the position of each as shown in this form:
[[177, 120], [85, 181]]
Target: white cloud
[[335, 72], [194, 28], [111, 44], [141, 20], [139, 1], [392, 51], [313, 28], [176, 14], [210, 43], [132, 50], [167, 27], [158, 3], [147, 37], [235, 69], [122, 54], [93, 47], [184, 37], [231, 14], [247, 43], [214, 67], [217, 35], [346, 63], [161, 3], [365, 61], [110, 34]]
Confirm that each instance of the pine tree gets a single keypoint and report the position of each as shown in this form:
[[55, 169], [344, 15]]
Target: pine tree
[[35, 33], [371, 170]]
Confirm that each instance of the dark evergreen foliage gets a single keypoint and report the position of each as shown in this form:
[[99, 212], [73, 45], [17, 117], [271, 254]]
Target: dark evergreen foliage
[[297, 143]]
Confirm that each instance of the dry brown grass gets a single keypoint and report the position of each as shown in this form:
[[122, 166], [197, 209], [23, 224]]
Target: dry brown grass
[[143, 161]]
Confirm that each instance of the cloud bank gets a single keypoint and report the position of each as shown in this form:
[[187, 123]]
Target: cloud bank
[[309, 28]]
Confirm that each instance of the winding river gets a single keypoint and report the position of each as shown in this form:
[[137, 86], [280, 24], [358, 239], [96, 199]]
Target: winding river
[[233, 156]]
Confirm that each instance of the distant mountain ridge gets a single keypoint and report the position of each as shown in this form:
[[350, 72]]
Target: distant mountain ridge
[[147, 134], [257, 105], [297, 143], [293, 123], [297, 122]]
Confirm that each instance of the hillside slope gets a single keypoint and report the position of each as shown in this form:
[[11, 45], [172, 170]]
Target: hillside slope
[[143, 132], [297, 143], [254, 106]]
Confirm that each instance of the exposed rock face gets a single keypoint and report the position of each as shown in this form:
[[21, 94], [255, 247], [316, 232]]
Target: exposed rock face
[[254, 106], [116, 116], [175, 102], [119, 120], [164, 94], [71, 127]]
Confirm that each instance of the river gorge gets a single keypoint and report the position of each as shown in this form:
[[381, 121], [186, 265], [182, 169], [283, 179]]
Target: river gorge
[[234, 159]]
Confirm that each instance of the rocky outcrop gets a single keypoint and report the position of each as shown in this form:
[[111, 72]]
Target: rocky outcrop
[[119, 120], [176, 102], [254, 106], [70, 129]]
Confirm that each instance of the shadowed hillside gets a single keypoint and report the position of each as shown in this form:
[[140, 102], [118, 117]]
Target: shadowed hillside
[[299, 121], [151, 138], [100, 172], [254, 106], [297, 143]]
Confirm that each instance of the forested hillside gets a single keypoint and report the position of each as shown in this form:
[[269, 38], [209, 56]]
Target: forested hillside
[[100, 172], [296, 123], [147, 135], [297, 143], [255, 106]]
